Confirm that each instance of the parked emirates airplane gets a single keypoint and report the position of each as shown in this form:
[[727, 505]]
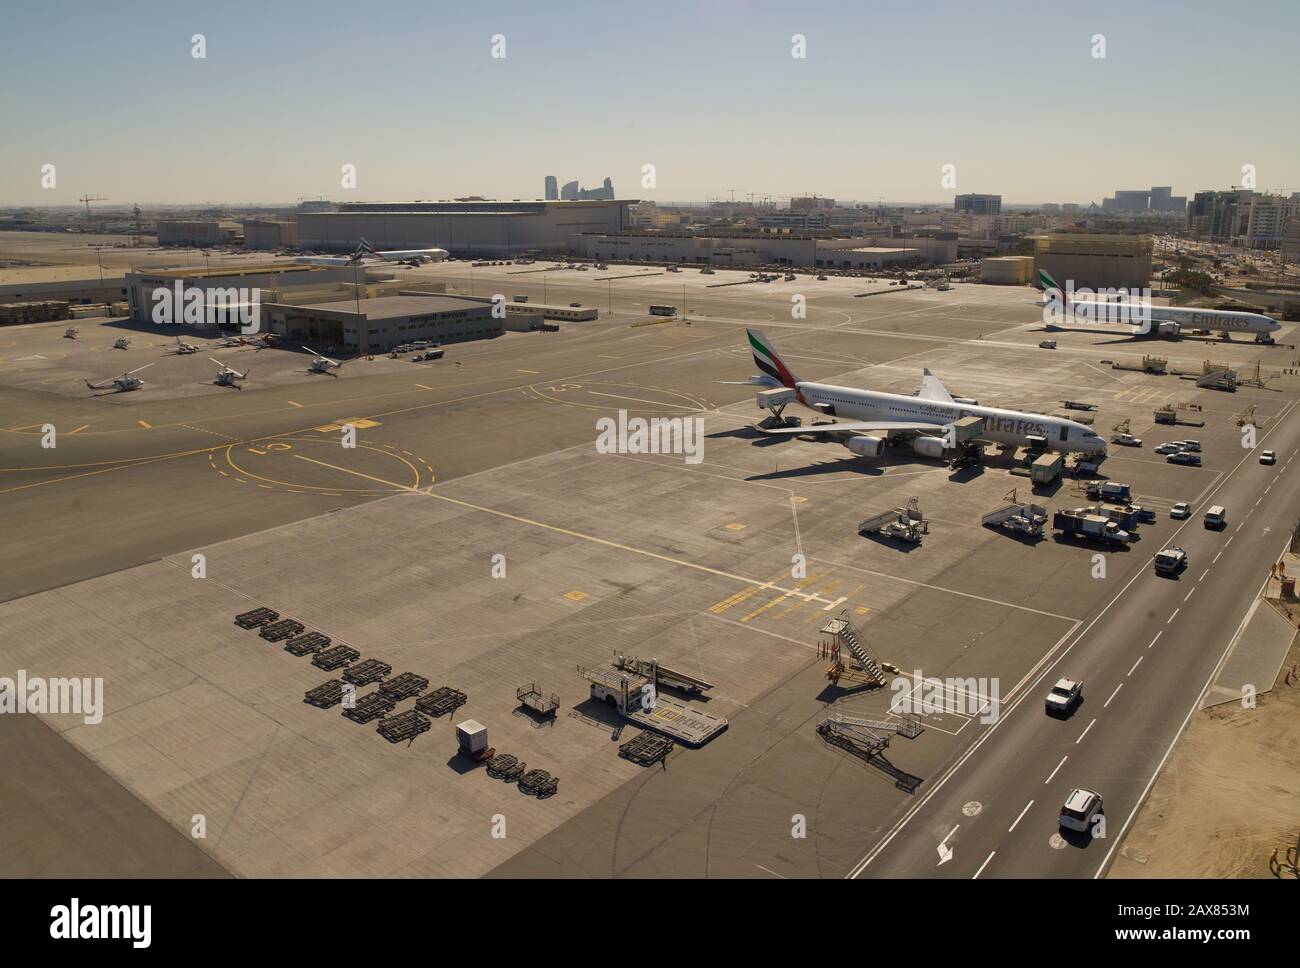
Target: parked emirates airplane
[[1148, 320], [872, 418], [365, 252]]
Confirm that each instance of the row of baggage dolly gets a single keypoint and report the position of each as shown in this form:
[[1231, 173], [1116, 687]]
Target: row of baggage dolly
[[378, 705]]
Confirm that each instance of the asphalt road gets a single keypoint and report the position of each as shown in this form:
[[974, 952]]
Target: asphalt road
[[1145, 660]]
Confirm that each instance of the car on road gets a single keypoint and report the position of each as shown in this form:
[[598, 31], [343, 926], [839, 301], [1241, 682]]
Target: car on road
[[1080, 809], [1143, 514], [1180, 510], [1268, 457], [1184, 457], [1193, 445], [575, 305], [1170, 561], [1216, 517], [1127, 440], [1173, 447], [1065, 695]]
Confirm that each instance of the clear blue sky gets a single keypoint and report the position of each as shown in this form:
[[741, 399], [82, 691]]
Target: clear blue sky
[[1008, 92]]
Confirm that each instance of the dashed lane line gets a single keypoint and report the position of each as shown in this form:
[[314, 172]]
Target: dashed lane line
[[1019, 818], [1057, 770], [1085, 731]]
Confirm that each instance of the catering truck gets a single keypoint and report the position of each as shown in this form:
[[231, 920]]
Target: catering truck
[[1083, 523]]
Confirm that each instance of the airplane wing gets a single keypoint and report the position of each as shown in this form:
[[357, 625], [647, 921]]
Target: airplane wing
[[864, 426], [932, 388]]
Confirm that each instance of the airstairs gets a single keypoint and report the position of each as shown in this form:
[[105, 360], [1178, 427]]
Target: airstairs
[[843, 636]]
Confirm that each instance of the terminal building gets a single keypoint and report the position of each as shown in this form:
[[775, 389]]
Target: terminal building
[[473, 228], [1095, 260], [378, 325], [757, 249]]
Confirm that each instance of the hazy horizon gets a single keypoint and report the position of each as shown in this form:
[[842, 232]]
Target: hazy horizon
[[410, 94]]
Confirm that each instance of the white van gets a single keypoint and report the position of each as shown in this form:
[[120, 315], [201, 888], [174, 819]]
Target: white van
[[1216, 517]]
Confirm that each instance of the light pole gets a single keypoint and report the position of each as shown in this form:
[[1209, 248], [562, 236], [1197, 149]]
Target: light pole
[[100, 264]]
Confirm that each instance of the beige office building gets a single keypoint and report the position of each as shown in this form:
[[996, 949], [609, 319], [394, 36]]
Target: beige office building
[[1094, 260]]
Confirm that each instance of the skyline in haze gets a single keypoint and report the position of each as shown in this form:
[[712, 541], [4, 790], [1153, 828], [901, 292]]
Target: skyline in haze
[[708, 93]]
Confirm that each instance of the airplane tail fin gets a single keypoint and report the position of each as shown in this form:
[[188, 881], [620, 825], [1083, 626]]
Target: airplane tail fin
[[1051, 288], [932, 388], [768, 361]]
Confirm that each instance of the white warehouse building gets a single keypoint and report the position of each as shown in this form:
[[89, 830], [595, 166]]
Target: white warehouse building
[[494, 229]]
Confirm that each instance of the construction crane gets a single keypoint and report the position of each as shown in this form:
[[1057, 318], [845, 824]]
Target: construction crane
[[92, 198]]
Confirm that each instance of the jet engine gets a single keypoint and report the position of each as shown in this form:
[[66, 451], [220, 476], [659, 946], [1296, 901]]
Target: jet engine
[[928, 447], [865, 446]]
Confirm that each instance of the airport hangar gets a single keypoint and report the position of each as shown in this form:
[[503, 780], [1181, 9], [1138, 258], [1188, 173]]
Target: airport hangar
[[467, 228], [377, 325]]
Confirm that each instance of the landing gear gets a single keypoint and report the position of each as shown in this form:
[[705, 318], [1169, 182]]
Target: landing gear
[[966, 455]]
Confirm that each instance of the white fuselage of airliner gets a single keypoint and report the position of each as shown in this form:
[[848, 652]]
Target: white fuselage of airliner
[[1000, 426]]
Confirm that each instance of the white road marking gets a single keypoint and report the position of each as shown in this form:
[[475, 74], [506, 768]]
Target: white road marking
[[984, 865], [1157, 638], [1054, 772], [1206, 572], [1135, 665], [1113, 695], [1216, 558], [1229, 541], [1086, 728], [858, 868], [1189, 594], [1018, 819], [1174, 616], [1196, 704]]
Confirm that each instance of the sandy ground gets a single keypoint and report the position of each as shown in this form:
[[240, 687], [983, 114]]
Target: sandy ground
[[1229, 795]]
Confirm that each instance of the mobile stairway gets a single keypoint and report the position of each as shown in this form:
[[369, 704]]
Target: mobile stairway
[[839, 636]]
